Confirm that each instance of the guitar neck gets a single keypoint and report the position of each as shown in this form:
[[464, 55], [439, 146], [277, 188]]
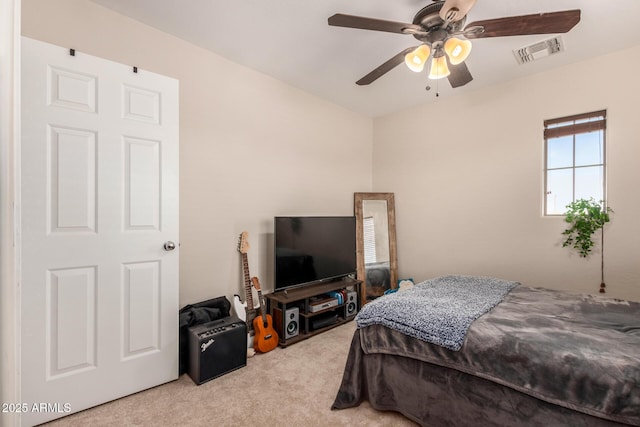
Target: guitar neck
[[247, 282], [263, 310]]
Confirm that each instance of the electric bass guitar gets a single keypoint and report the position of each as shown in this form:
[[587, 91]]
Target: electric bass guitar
[[266, 338], [245, 311]]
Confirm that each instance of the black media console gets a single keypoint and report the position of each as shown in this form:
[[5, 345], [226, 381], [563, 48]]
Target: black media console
[[301, 313]]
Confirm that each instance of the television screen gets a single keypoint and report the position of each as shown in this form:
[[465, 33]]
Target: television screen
[[313, 249]]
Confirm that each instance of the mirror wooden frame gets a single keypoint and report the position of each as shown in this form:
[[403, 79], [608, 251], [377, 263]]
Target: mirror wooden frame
[[358, 198]]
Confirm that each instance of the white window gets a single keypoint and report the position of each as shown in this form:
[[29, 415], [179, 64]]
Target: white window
[[574, 160]]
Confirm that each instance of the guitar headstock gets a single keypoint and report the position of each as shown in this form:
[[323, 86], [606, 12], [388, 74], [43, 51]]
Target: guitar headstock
[[243, 243], [256, 283]]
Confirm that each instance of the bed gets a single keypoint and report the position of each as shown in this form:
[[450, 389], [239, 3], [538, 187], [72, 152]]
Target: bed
[[530, 357]]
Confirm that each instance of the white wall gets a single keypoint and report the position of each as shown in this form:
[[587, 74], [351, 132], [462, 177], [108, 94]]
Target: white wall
[[468, 176], [251, 147]]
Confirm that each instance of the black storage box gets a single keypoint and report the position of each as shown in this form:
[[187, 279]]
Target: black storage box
[[198, 314]]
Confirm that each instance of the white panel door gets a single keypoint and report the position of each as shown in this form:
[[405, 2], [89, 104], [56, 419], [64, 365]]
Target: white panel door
[[99, 199]]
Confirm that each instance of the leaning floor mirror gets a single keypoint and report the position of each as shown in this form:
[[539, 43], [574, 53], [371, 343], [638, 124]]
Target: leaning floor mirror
[[377, 264]]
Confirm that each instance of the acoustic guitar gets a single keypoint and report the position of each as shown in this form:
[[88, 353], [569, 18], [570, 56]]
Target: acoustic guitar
[[266, 338]]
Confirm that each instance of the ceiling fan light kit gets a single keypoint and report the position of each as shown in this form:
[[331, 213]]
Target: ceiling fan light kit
[[416, 59], [457, 49], [439, 68], [440, 27]]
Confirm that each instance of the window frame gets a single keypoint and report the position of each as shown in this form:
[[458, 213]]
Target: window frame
[[573, 129]]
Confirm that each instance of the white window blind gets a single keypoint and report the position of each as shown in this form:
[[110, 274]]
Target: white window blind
[[369, 240]]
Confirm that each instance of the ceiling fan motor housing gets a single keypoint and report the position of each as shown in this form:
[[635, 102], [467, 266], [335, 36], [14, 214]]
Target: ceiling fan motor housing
[[434, 30]]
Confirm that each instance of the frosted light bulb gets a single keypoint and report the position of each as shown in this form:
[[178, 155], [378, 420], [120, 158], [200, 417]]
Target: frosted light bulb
[[416, 59]]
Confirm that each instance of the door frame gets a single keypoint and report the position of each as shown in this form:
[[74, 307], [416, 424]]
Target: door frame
[[10, 206]]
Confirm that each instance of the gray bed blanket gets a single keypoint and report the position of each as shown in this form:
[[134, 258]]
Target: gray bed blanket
[[439, 310], [580, 352]]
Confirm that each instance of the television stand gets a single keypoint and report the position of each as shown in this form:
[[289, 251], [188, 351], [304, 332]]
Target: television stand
[[293, 319]]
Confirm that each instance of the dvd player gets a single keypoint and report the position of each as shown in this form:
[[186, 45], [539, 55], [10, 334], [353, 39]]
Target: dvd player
[[321, 303]]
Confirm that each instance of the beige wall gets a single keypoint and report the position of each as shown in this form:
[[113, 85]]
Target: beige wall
[[468, 177], [467, 171], [251, 147]]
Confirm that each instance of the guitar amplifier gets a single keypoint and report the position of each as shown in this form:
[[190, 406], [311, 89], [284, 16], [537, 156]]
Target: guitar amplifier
[[216, 348]]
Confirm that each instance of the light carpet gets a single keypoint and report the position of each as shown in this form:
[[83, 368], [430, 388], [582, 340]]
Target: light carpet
[[294, 386]]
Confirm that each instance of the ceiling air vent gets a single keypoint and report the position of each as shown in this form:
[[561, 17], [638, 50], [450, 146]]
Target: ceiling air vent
[[539, 50]]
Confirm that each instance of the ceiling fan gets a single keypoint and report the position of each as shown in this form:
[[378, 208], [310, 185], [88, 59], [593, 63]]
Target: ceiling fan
[[440, 27]]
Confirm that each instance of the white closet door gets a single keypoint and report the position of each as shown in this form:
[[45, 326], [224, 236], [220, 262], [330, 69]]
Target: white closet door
[[99, 199]]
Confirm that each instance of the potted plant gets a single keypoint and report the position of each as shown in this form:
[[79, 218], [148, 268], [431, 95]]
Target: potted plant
[[585, 218]]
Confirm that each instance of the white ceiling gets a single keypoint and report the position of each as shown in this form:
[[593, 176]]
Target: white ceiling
[[291, 41]]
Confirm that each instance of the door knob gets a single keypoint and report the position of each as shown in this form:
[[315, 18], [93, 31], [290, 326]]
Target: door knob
[[169, 246]]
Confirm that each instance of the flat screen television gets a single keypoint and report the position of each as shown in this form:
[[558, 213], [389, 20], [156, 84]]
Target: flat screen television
[[312, 249]]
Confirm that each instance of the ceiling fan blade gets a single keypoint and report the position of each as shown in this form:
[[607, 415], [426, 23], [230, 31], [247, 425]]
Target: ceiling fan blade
[[539, 23], [459, 75], [351, 21], [458, 9], [384, 68]]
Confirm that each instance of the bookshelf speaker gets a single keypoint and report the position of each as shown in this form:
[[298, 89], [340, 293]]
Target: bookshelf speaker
[[352, 304]]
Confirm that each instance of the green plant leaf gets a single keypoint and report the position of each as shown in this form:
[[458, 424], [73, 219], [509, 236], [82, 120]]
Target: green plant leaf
[[585, 218]]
